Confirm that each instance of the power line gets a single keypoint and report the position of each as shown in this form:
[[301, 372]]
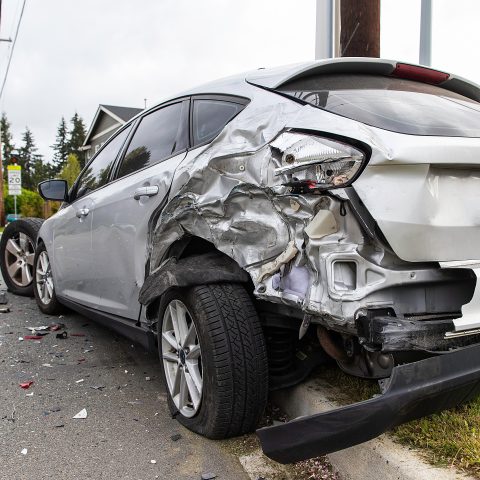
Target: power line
[[13, 48]]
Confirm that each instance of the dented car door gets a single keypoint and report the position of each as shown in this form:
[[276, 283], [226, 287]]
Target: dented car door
[[122, 210]]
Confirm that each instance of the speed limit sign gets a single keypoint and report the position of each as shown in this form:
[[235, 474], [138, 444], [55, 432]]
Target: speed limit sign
[[14, 179]]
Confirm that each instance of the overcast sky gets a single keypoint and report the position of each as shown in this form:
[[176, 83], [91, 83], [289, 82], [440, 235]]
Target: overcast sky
[[72, 55]]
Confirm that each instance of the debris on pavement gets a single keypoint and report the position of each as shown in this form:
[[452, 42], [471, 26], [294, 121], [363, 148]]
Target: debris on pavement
[[52, 410], [153, 461], [175, 437], [24, 451], [26, 385], [147, 379], [3, 298], [62, 335], [81, 414], [37, 329], [77, 334], [12, 415], [4, 309], [32, 337], [208, 476], [53, 327], [79, 381], [97, 387]]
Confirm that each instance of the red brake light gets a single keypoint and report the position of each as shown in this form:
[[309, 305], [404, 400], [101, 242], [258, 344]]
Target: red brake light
[[419, 74]]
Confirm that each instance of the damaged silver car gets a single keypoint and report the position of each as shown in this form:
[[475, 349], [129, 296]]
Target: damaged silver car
[[258, 226]]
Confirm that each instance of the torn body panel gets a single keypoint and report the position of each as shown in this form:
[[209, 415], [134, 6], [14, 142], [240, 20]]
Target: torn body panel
[[311, 251]]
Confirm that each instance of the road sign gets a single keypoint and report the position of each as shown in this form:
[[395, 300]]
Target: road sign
[[14, 179]]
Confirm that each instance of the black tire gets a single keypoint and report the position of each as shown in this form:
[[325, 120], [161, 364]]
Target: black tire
[[234, 360], [30, 228], [52, 306]]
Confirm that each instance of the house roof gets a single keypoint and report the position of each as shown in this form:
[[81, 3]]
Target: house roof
[[120, 114], [125, 113]]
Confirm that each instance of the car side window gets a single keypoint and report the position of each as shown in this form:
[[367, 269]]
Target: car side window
[[210, 117], [98, 171], [159, 135]]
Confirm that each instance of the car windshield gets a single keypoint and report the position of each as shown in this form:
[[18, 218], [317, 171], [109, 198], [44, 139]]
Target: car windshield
[[394, 104]]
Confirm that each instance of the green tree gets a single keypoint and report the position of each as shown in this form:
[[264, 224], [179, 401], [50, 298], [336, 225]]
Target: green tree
[[60, 147], [71, 169], [41, 171], [7, 138], [34, 170], [26, 158], [7, 142], [77, 137]]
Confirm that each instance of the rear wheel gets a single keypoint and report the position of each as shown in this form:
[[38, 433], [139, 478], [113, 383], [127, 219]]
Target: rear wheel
[[17, 251], [214, 360], [44, 288]]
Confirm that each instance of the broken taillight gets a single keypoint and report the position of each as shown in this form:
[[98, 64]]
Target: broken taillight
[[310, 162]]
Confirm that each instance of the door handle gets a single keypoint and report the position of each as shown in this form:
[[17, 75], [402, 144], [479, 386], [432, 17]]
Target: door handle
[[145, 192], [83, 212]]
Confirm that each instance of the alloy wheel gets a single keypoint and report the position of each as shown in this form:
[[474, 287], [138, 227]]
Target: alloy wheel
[[44, 278], [182, 358], [19, 255]]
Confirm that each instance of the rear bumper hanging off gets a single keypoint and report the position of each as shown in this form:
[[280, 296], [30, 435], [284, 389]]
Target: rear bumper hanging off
[[415, 390]]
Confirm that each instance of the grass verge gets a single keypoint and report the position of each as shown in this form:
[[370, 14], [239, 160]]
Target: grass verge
[[449, 438]]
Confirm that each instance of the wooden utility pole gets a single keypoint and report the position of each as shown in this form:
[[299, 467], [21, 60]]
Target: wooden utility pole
[[360, 28]]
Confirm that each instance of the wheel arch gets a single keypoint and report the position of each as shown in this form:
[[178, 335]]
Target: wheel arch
[[190, 261]]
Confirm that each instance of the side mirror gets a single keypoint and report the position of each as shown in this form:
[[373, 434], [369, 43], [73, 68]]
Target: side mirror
[[53, 190]]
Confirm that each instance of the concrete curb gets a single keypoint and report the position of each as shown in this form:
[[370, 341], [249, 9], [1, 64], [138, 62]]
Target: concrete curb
[[378, 458]]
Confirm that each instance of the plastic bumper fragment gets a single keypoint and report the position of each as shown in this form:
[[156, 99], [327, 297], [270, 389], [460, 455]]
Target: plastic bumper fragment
[[415, 390]]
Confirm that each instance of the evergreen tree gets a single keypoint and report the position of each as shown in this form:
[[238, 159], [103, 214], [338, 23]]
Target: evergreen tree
[[77, 137], [29, 160], [7, 138], [7, 143], [41, 171], [60, 147]]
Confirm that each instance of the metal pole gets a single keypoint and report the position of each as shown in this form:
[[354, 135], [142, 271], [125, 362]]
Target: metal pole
[[324, 30], [15, 205], [425, 51]]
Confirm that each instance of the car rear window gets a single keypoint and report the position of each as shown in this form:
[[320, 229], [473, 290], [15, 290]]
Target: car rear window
[[394, 104], [210, 117]]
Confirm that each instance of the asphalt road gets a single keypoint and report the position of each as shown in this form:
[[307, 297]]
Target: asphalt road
[[128, 425]]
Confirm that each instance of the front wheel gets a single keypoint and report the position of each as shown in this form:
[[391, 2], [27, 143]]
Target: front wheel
[[43, 287], [214, 359]]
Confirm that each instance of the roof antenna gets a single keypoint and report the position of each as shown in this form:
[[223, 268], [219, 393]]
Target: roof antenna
[[145, 102]]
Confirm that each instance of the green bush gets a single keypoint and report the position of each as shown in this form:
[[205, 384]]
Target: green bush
[[29, 203]]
